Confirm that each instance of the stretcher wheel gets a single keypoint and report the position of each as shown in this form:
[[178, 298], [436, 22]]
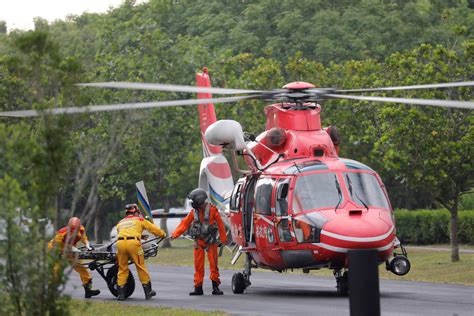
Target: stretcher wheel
[[111, 279]]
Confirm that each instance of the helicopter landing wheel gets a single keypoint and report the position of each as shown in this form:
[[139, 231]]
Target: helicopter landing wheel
[[238, 283], [342, 284]]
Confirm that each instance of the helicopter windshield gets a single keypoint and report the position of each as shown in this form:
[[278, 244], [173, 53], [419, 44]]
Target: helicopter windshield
[[365, 190], [317, 190]]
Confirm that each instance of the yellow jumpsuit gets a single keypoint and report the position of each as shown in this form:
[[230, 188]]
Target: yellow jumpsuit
[[129, 246], [61, 240]]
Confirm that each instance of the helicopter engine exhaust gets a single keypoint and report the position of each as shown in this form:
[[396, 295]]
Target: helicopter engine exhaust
[[275, 137]]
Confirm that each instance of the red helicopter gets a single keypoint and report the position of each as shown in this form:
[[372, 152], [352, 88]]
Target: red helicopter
[[298, 205]]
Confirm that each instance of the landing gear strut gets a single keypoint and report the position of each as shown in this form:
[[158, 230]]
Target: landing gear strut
[[241, 281], [342, 281]]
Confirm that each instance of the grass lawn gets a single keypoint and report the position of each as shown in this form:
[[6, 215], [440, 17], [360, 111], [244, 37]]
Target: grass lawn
[[426, 265], [79, 308]]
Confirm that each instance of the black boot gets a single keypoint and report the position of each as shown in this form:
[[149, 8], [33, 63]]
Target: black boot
[[197, 291], [215, 289], [88, 291], [121, 293], [149, 293]]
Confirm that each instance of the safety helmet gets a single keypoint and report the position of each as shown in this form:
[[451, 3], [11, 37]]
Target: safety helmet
[[73, 225], [131, 208], [198, 197]]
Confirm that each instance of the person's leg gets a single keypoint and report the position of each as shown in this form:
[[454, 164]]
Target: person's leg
[[122, 261], [86, 279], [212, 255], [123, 271], [198, 270], [136, 253]]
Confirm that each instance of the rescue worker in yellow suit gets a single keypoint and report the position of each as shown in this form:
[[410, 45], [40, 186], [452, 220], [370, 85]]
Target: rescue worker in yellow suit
[[65, 240], [203, 223], [129, 232]]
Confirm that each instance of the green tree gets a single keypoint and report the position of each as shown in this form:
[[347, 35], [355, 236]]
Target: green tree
[[431, 148], [3, 27]]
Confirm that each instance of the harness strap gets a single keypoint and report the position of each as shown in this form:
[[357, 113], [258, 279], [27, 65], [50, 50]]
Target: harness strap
[[207, 214]]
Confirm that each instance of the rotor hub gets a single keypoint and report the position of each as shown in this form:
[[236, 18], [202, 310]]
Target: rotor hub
[[298, 85]]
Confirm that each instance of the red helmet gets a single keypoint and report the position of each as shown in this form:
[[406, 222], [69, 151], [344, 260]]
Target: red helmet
[[73, 225], [131, 208]]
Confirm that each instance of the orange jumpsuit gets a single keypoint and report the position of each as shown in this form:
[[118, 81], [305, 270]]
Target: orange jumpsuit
[[201, 245], [61, 240], [129, 246]]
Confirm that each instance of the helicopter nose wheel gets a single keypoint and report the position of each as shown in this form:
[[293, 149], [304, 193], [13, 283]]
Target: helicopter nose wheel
[[241, 281], [238, 283], [342, 282]]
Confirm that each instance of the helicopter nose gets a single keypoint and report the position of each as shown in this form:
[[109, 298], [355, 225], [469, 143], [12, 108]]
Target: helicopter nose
[[361, 231]]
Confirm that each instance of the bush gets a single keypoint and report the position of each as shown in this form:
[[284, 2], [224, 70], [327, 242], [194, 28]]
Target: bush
[[424, 227], [27, 284]]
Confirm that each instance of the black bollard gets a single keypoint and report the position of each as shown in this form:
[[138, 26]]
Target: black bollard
[[364, 294]]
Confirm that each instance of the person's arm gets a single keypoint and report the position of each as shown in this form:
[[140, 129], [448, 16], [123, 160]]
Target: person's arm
[[184, 225], [220, 226], [57, 240], [153, 229], [84, 238]]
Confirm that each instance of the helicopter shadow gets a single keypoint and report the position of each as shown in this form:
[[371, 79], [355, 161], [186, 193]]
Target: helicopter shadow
[[316, 293], [294, 293]]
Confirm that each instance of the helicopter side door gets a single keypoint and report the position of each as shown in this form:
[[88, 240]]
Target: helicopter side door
[[235, 214], [248, 207], [264, 225], [282, 216]]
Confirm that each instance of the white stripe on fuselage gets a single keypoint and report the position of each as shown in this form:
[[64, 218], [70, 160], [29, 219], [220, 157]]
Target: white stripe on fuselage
[[344, 250], [265, 219], [358, 239]]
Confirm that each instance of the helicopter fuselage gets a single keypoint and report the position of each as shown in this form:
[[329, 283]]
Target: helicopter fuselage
[[307, 208]]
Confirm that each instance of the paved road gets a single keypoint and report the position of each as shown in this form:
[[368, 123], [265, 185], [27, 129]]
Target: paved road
[[285, 294]]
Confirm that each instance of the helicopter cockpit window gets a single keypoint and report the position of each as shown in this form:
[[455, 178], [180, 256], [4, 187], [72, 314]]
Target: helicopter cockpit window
[[281, 204], [308, 227], [365, 189], [284, 231], [263, 196], [317, 190]]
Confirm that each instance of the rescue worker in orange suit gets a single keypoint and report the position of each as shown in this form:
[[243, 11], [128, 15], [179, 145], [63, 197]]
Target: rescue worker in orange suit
[[65, 240], [129, 232], [203, 223]]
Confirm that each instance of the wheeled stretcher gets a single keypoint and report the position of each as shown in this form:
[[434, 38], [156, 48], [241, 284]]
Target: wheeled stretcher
[[103, 259]]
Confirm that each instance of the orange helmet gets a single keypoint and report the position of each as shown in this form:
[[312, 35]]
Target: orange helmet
[[73, 225]]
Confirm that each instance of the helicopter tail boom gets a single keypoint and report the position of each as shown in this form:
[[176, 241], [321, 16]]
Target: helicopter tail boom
[[207, 114]]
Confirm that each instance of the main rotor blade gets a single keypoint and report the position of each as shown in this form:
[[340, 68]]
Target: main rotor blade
[[422, 86], [165, 87], [433, 102], [124, 106]]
